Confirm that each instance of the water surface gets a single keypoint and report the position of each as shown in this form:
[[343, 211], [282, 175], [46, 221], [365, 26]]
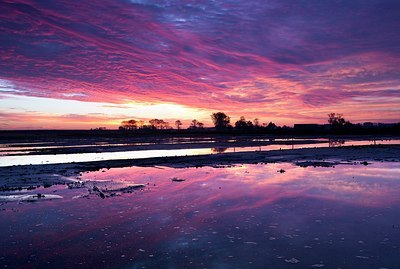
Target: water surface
[[6, 160], [245, 216]]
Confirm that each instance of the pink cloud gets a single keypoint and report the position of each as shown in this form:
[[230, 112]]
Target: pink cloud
[[233, 58]]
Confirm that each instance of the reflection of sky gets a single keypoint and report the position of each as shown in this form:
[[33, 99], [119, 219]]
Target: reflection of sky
[[89, 157], [348, 183], [244, 216]]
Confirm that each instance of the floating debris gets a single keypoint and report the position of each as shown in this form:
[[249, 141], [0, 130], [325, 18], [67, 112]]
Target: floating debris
[[131, 187], [39, 196], [282, 171], [176, 179], [80, 196], [316, 164], [96, 190], [76, 185], [111, 188]]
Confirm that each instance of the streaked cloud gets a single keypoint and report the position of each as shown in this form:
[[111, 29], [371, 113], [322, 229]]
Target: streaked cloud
[[286, 61]]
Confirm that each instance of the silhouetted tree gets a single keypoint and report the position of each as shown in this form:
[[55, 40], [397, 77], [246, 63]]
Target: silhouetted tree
[[271, 126], [193, 125], [153, 123], [220, 120], [196, 124], [141, 124], [129, 125], [99, 129], [159, 124], [256, 122], [243, 124], [337, 121], [178, 124]]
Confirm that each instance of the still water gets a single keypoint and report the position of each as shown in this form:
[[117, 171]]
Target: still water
[[245, 216], [7, 160]]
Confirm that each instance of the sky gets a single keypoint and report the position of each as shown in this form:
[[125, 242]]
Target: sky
[[86, 64]]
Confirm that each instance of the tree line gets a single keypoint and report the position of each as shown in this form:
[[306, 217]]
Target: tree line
[[336, 124], [220, 120]]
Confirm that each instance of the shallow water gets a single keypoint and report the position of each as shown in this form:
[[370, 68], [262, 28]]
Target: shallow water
[[248, 216], [26, 147], [143, 154]]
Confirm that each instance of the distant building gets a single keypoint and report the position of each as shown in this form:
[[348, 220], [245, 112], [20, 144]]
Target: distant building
[[368, 125], [387, 125]]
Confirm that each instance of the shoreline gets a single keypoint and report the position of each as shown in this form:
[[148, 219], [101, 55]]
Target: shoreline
[[26, 176]]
